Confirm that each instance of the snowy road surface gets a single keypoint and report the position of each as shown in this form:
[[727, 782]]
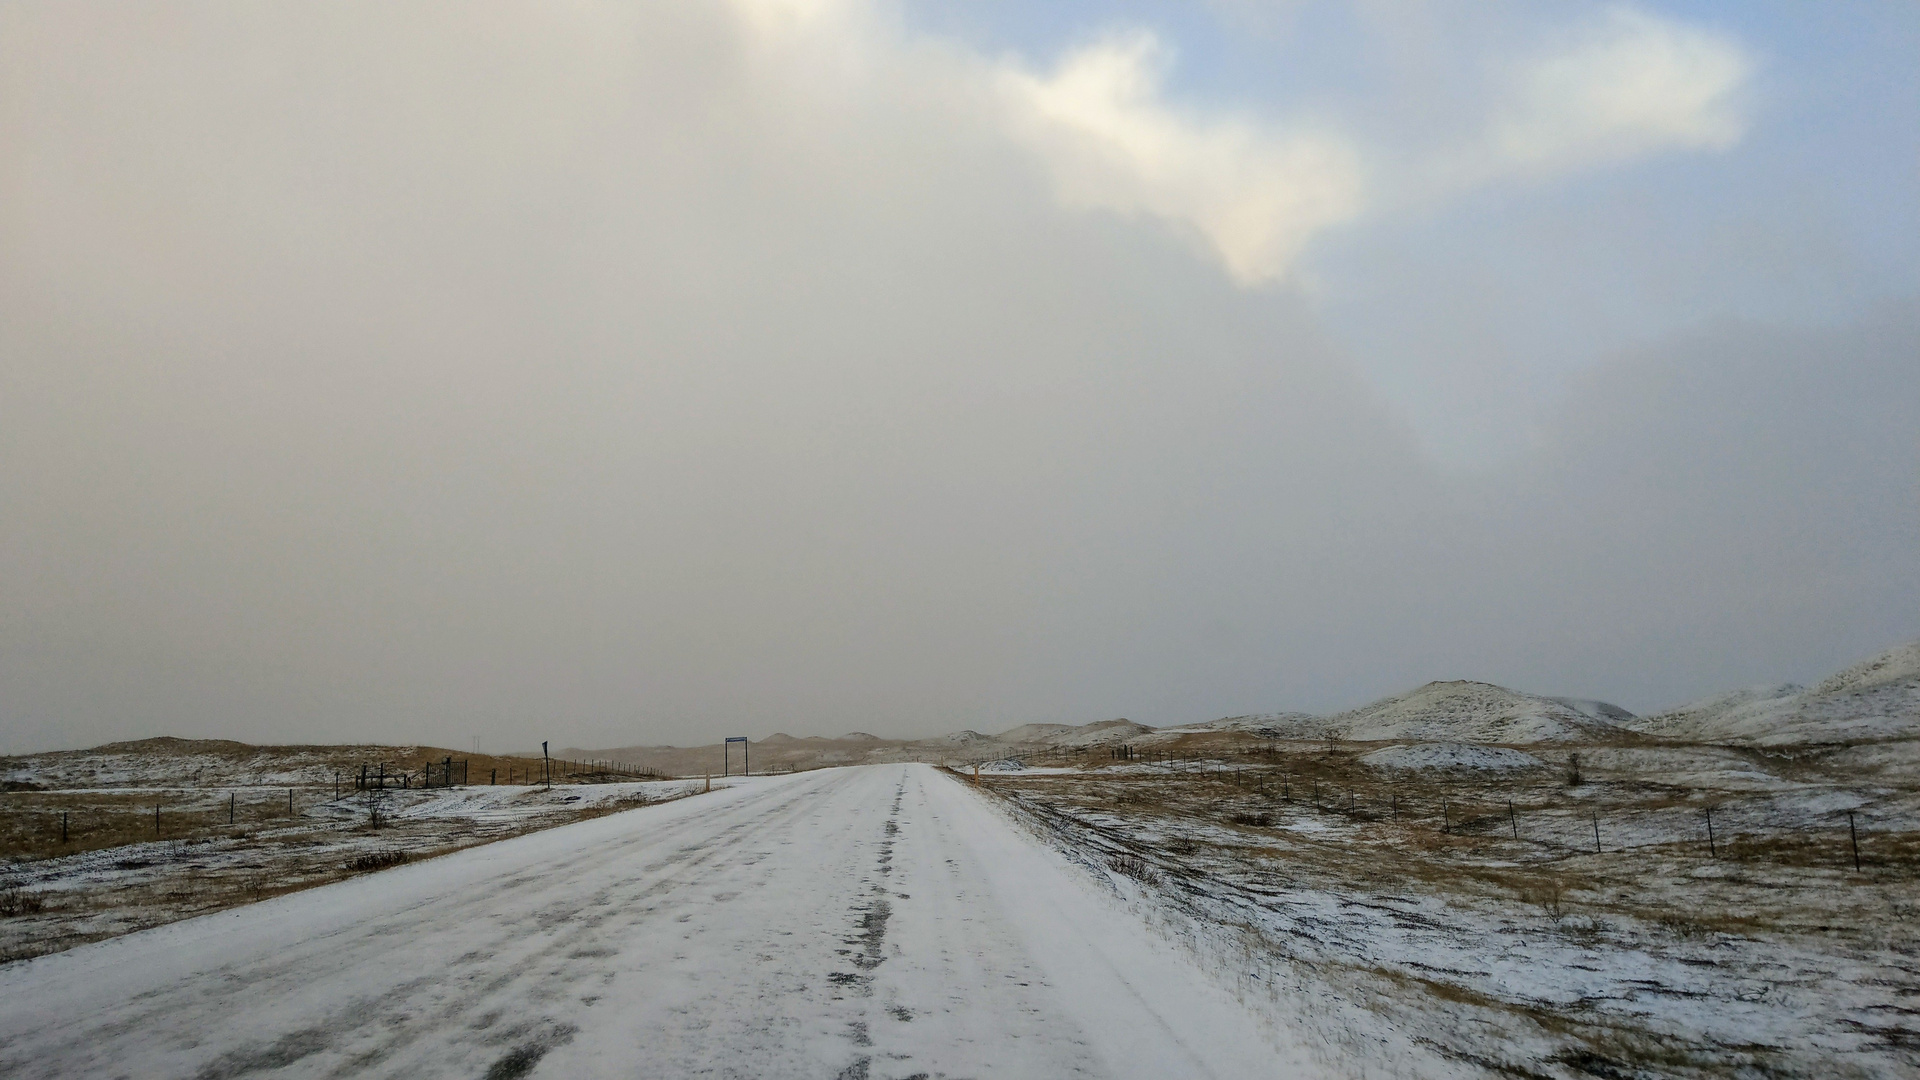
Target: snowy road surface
[[882, 921]]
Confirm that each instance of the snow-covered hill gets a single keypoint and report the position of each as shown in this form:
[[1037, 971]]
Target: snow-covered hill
[[1477, 712], [1876, 699], [1279, 725]]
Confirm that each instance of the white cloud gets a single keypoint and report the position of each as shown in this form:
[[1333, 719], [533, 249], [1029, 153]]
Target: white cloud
[[1254, 197], [1250, 193], [1633, 84]]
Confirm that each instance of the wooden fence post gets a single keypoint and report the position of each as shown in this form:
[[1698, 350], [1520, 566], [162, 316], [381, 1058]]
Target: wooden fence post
[[1513, 820], [1854, 836], [1596, 832], [1713, 851]]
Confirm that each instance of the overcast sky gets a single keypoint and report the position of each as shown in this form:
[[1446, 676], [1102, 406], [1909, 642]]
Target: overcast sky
[[652, 372]]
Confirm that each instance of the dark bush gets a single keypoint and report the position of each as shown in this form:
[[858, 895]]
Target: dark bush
[[378, 860]]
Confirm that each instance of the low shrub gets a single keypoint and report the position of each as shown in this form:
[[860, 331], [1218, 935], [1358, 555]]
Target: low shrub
[[378, 860]]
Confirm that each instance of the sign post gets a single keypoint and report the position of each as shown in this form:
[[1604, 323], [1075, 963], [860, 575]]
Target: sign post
[[726, 755]]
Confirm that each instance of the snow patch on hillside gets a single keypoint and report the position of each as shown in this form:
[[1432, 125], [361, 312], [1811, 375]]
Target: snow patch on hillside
[[1451, 757]]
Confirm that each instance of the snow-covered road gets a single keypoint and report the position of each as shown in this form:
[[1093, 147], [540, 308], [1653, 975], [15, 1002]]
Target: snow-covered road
[[882, 921]]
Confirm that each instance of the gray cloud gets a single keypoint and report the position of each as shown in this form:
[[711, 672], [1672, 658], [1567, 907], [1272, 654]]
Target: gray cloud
[[372, 373]]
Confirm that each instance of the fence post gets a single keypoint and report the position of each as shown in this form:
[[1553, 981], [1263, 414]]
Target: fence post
[[1855, 837], [156, 820], [1596, 832], [1713, 851], [1446, 817], [1513, 820], [232, 799], [289, 802]]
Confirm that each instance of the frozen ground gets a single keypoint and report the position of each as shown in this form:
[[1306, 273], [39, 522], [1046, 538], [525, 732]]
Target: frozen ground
[[884, 921], [1469, 914], [121, 878]]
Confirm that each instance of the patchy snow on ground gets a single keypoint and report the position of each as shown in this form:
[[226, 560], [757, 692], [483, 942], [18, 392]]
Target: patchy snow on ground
[[202, 864], [1518, 926], [1449, 756]]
